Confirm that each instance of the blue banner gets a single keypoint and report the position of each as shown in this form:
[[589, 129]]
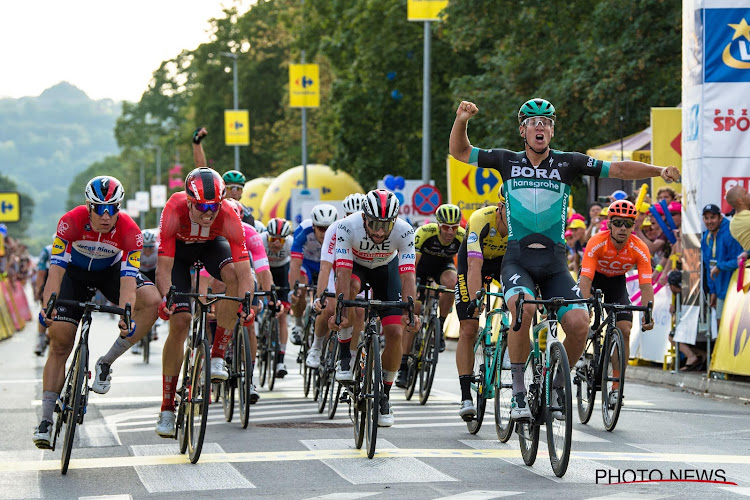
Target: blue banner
[[727, 45]]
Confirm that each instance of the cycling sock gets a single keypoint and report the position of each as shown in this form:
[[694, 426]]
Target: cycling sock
[[615, 374], [404, 362], [516, 371], [388, 378], [221, 339], [442, 325], [49, 399], [318, 342], [118, 348], [168, 389], [465, 381], [282, 352], [345, 334]]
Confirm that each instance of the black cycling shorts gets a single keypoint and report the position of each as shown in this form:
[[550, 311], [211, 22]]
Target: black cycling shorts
[[525, 269], [615, 292], [75, 283], [150, 275], [432, 270], [214, 254], [280, 276], [490, 268], [385, 284]]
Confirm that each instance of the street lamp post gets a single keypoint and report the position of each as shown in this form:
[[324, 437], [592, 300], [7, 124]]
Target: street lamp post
[[158, 178], [233, 57]]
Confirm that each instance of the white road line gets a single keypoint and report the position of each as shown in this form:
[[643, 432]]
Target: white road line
[[98, 433], [20, 484], [345, 496], [737, 489], [630, 495], [108, 497], [187, 477], [480, 495], [377, 470]]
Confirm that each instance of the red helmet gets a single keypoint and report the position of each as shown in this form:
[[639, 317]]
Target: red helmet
[[380, 204], [238, 208], [622, 208], [205, 185], [279, 228]]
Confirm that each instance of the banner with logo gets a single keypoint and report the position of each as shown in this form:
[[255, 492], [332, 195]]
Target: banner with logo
[[470, 187], [424, 10], [304, 86], [236, 127], [732, 350], [666, 143]]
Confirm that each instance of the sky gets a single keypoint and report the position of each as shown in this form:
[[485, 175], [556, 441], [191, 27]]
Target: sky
[[107, 48]]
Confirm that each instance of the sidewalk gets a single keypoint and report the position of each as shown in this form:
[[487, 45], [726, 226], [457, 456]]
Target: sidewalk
[[689, 381]]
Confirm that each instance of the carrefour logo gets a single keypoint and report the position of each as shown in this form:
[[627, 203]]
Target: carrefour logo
[[727, 50], [485, 180]]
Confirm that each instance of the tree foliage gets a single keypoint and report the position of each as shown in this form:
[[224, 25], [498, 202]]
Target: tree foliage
[[18, 229]]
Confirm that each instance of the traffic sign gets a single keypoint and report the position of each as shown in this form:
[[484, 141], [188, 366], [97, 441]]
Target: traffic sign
[[426, 199], [10, 207]]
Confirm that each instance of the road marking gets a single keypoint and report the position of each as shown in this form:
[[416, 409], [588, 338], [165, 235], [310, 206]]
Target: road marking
[[203, 476], [98, 433], [23, 484], [108, 497], [378, 470], [738, 490], [345, 496], [629, 495], [480, 495]]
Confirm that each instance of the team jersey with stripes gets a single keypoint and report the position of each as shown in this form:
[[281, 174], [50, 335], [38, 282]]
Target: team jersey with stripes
[[353, 245]]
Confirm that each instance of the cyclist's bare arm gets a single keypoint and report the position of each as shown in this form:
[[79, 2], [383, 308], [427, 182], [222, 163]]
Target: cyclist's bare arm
[[199, 156], [474, 275], [54, 280], [584, 284], [164, 274], [631, 170], [460, 147], [265, 279], [295, 265]]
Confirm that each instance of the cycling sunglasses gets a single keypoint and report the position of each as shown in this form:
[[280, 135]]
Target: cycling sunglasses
[[207, 207], [622, 223], [101, 209], [448, 227], [275, 239], [536, 120], [377, 225]]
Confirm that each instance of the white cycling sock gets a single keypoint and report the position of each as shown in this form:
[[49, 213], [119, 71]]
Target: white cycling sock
[[318, 342], [118, 348]]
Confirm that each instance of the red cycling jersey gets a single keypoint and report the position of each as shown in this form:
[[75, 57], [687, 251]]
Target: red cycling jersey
[[176, 225], [602, 257]]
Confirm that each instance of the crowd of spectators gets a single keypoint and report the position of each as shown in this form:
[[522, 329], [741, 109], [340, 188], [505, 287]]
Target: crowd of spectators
[[15, 261]]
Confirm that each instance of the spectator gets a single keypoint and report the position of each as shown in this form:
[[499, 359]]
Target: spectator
[[739, 199], [578, 228], [694, 356], [719, 250], [571, 253], [666, 193], [595, 219]]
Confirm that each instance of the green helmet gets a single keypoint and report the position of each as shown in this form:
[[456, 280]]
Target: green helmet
[[234, 177], [536, 107], [448, 214]]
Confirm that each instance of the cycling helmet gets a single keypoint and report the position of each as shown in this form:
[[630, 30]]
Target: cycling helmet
[[104, 189], [149, 239], [259, 227], [237, 207], [536, 107], [279, 228], [234, 177], [324, 215], [380, 204], [448, 214], [622, 208], [500, 196], [353, 203], [205, 185]]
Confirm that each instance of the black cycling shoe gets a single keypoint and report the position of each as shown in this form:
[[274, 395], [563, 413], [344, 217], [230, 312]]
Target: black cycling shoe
[[442, 342], [401, 379]]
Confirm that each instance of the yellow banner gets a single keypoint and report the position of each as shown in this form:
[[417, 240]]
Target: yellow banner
[[10, 207], [304, 86], [470, 187], [732, 349], [666, 143], [236, 127], [424, 10]]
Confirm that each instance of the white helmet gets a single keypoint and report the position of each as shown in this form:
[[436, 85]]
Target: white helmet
[[103, 190], [353, 203], [324, 215], [279, 228], [149, 238], [259, 227], [380, 204]]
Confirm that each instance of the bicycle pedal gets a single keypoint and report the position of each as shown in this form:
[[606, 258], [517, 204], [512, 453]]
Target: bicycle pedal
[[468, 418], [344, 398]]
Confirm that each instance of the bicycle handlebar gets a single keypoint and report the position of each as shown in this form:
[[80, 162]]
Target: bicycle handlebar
[[554, 302], [374, 304], [125, 312]]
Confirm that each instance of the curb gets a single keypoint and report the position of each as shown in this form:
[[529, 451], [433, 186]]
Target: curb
[[689, 382]]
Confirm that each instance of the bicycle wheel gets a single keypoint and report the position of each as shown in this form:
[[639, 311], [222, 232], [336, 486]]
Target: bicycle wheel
[[528, 432], [358, 395], [227, 387], [560, 411], [503, 394], [244, 372], [324, 373], [73, 411], [613, 378], [428, 364], [478, 386], [373, 389], [199, 399], [183, 392], [412, 364], [585, 380], [262, 354], [272, 355], [334, 388]]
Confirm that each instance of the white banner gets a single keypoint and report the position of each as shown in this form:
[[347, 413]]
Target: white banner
[[131, 208], [141, 197], [653, 344], [158, 195]]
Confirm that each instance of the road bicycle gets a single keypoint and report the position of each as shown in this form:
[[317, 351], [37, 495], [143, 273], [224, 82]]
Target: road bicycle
[[327, 388], [423, 356], [73, 400], [364, 393], [603, 364], [308, 336], [491, 376], [544, 366], [269, 345]]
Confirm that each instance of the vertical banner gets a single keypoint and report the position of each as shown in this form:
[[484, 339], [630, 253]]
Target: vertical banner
[[732, 352], [304, 86], [666, 143], [236, 127], [470, 187]]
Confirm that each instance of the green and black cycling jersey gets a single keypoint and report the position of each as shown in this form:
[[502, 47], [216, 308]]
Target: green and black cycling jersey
[[427, 242], [537, 196]]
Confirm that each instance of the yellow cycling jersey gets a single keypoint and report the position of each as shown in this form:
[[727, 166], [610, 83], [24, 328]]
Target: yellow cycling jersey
[[483, 240], [427, 242]]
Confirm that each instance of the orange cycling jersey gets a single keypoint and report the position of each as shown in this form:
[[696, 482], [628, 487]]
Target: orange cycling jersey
[[602, 257]]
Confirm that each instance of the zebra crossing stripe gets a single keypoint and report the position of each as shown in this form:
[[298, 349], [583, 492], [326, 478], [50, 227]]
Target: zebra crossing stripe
[[23, 484], [480, 495]]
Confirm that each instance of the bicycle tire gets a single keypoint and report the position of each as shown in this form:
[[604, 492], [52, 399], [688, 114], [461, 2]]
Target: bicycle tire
[[324, 373], [503, 382], [272, 355], [244, 371], [428, 363], [227, 386], [559, 436], [334, 387], [199, 400], [528, 432], [374, 391], [613, 345], [412, 363], [478, 386], [262, 351], [181, 422], [585, 379], [357, 400], [307, 381], [71, 416]]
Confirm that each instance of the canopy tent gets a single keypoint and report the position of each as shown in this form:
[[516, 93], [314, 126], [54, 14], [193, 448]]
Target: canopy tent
[[635, 147]]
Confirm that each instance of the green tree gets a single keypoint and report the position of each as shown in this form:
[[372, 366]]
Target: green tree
[[18, 229]]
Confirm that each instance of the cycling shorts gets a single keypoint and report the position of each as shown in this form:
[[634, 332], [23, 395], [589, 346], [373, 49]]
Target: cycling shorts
[[150, 275], [75, 285], [385, 283], [490, 267], [524, 269], [215, 254], [280, 276], [309, 272], [615, 291]]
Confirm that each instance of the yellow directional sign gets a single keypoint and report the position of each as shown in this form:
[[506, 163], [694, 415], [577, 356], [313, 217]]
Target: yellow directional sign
[[10, 207], [304, 86], [236, 127], [425, 10]]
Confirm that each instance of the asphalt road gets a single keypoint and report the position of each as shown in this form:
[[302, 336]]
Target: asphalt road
[[290, 451]]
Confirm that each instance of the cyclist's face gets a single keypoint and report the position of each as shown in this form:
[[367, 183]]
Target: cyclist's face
[[380, 234], [203, 219], [620, 233], [448, 232], [320, 232], [102, 223], [148, 250], [538, 132], [234, 191], [275, 243]]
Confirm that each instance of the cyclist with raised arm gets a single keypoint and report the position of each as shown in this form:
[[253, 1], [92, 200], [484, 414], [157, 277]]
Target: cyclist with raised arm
[[436, 245], [537, 184], [95, 246], [375, 246], [481, 255], [305, 263], [197, 225], [608, 256], [326, 281]]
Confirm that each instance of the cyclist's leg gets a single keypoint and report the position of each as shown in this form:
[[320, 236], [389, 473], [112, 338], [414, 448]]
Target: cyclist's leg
[[448, 278], [347, 348], [386, 285], [467, 332]]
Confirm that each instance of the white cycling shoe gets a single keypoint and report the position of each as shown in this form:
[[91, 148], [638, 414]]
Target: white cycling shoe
[[218, 370]]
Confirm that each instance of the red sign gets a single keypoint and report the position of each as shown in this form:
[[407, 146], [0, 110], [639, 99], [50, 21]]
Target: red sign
[[728, 183], [426, 199]]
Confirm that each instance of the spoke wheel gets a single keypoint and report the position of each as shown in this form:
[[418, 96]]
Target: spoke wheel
[[528, 432], [503, 394], [428, 363], [560, 411], [613, 378], [373, 389], [324, 372], [244, 373], [183, 391], [334, 388], [199, 399], [585, 380], [412, 365], [478, 387], [262, 352], [146, 347], [272, 355], [357, 400], [227, 386], [73, 408]]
